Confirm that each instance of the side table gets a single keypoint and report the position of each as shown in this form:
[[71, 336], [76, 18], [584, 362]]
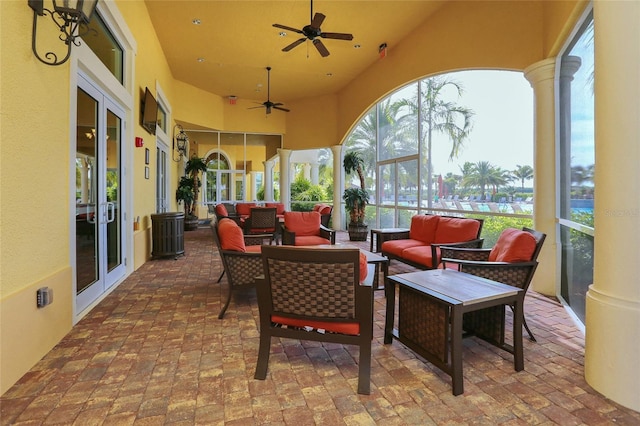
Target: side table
[[432, 307]]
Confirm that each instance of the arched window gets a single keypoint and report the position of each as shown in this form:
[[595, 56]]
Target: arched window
[[458, 143], [217, 178]]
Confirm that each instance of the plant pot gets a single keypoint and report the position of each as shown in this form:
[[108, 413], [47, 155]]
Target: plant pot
[[191, 223], [358, 232]]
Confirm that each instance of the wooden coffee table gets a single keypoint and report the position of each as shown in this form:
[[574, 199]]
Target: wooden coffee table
[[435, 306]]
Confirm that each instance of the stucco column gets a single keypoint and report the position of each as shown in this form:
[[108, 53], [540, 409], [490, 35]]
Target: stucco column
[[541, 77], [338, 184], [268, 180], [285, 177], [315, 168], [306, 171], [613, 301]]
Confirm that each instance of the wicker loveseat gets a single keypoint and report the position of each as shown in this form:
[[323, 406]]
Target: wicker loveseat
[[420, 246]]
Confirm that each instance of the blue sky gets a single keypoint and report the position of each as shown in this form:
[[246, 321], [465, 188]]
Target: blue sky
[[503, 122]]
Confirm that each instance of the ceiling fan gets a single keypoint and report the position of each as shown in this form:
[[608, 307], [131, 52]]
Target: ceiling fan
[[312, 31], [268, 104]]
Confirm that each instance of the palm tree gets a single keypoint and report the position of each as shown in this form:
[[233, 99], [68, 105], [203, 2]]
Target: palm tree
[[523, 173], [482, 175], [440, 116]]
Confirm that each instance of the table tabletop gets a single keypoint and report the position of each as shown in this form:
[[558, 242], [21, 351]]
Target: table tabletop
[[466, 288]]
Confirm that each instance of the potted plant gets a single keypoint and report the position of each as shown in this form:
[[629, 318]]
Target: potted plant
[[188, 189], [355, 198]]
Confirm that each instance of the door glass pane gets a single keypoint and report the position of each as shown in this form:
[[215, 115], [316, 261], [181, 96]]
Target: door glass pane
[[162, 160], [577, 159], [86, 192], [105, 46], [113, 190]]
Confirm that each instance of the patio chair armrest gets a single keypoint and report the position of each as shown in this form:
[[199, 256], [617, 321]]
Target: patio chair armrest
[[463, 253], [288, 237], [517, 274], [388, 236], [257, 239], [327, 233], [472, 244], [228, 253]]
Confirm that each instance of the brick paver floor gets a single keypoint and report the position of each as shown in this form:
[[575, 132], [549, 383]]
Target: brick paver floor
[[154, 352]]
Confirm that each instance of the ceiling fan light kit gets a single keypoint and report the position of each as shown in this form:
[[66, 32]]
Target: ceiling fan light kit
[[314, 33]]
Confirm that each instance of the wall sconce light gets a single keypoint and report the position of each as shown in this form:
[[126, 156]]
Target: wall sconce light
[[68, 15], [180, 142]]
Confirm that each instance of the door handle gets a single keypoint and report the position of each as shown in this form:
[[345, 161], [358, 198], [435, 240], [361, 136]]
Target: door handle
[[110, 211]]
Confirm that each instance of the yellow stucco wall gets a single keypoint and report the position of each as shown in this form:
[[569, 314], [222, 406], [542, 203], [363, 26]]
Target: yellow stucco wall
[[34, 207], [35, 153]]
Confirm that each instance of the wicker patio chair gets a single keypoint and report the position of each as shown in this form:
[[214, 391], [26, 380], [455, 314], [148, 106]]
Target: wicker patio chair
[[240, 254], [315, 294], [262, 220], [512, 261], [306, 229]]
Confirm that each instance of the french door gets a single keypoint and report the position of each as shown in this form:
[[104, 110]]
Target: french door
[[99, 215]]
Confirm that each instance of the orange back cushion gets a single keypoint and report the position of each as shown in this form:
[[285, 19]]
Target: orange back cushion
[[302, 223], [221, 210], [423, 228], [513, 245], [317, 207], [244, 208], [279, 207], [363, 267], [230, 234], [325, 209], [453, 230]]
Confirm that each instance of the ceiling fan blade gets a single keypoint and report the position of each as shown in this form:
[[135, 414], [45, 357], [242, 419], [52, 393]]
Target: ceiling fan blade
[[261, 106], [321, 48], [294, 44], [318, 18], [339, 36], [280, 108], [284, 27]]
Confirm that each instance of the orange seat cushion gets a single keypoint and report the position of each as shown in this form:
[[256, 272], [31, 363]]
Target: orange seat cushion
[[253, 249], [311, 240], [421, 255], [279, 207], [351, 328], [221, 210], [423, 228], [244, 209], [302, 223], [396, 247], [513, 245], [230, 235], [453, 230]]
